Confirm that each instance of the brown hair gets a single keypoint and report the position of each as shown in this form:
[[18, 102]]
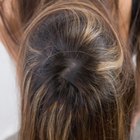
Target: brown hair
[[75, 76], [134, 37]]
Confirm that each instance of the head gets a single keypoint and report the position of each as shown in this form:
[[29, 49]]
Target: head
[[75, 76]]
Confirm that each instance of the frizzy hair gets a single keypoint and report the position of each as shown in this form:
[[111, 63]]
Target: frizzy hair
[[75, 75]]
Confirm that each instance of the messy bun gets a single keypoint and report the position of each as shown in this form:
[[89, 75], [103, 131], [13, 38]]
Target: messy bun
[[74, 83]]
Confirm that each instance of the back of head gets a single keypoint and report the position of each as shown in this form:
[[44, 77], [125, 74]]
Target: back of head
[[74, 76]]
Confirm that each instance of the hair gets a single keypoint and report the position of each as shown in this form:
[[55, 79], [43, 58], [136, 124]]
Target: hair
[[134, 37], [75, 75]]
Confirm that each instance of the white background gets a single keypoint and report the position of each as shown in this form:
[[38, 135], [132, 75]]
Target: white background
[[9, 98]]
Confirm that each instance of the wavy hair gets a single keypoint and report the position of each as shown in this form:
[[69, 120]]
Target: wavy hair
[[75, 75]]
